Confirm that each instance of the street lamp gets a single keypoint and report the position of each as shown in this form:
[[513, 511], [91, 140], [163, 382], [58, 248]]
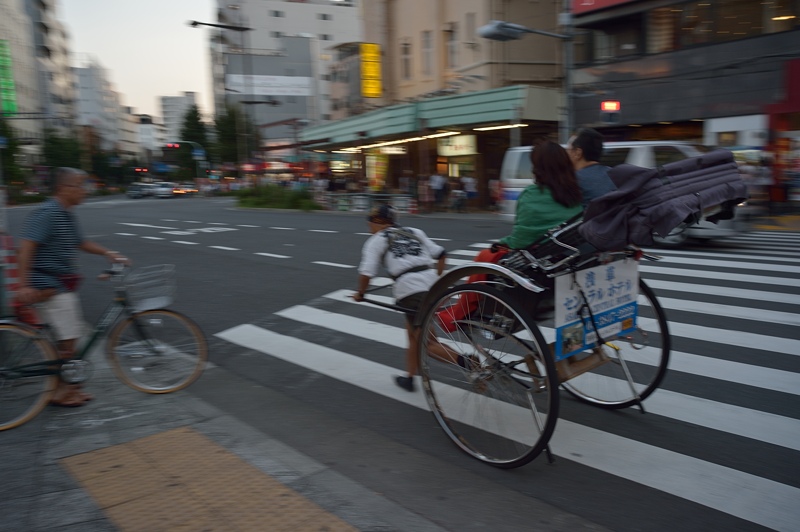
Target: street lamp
[[498, 30], [242, 31]]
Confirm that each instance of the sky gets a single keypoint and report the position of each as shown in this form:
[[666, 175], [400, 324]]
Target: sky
[[146, 46]]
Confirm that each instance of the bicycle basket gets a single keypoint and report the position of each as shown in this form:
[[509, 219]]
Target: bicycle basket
[[151, 287]]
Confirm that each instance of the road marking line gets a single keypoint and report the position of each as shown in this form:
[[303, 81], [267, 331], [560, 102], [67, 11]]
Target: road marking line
[[185, 242], [125, 234], [273, 255], [217, 223], [193, 222], [224, 248], [246, 225], [153, 237], [741, 421], [734, 492], [334, 264], [321, 231], [145, 225], [283, 228]]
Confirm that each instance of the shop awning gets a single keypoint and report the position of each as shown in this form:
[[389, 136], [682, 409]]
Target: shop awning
[[520, 103]]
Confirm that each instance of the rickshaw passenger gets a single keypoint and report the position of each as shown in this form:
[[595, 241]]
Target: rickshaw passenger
[[553, 198]]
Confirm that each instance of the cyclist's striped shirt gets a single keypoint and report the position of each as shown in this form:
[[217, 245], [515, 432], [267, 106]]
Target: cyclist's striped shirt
[[58, 237]]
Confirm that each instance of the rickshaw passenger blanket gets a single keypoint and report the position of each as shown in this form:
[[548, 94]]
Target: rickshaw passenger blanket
[[649, 200]]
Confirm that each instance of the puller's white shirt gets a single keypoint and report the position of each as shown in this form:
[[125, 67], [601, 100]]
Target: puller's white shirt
[[404, 254]]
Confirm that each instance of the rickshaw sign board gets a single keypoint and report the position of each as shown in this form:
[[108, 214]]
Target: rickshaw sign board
[[609, 290]]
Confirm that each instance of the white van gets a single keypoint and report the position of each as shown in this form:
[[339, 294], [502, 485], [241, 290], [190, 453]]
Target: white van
[[517, 173]]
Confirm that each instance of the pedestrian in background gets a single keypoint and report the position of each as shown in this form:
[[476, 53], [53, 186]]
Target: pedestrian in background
[[424, 194], [48, 269]]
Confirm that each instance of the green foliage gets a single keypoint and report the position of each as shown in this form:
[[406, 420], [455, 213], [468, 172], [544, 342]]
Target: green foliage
[[227, 132], [11, 170], [277, 197], [193, 130], [60, 151]]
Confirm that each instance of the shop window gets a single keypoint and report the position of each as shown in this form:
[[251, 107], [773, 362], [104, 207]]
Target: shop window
[[662, 29], [697, 26], [619, 39], [727, 138]]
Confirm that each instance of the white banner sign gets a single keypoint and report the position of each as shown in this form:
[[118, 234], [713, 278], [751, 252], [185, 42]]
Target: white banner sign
[[268, 85], [610, 291], [458, 145]]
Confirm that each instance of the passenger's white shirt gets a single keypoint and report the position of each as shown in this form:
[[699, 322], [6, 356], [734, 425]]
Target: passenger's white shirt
[[405, 253]]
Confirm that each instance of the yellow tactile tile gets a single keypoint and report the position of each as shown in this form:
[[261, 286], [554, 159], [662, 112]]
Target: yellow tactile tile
[[181, 480]]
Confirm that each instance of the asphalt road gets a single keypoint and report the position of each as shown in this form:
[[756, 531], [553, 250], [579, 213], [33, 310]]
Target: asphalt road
[[717, 451]]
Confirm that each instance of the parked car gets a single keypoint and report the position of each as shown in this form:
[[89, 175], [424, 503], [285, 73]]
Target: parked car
[[164, 189], [139, 190], [516, 174]]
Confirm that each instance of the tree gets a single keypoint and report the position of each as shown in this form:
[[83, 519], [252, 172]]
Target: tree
[[236, 135], [193, 130], [12, 173], [60, 151]]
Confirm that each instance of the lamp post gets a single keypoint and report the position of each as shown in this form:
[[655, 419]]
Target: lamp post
[[498, 30], [242, 31]]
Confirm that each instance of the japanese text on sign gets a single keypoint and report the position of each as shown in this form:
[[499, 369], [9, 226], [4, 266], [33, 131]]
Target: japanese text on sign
[[609, 291]]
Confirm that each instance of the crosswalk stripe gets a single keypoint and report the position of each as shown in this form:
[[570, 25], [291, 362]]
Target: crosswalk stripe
[[725, 291], [731, 311], [743, 495], [713, 368], [702, 274], [740, 257], [743, 423]]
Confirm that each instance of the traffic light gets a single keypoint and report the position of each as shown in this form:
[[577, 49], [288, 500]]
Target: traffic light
[[609, 112], [173, 145], [140, 171]]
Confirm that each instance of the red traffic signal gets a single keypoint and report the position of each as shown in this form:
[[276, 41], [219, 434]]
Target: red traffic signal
[[610, 105], [141, 169], [173, 145]]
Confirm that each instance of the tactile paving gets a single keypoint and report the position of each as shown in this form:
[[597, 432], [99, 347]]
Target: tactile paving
[[181, 480]]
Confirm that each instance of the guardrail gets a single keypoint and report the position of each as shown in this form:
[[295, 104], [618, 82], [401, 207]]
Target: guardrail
[[363, 201]]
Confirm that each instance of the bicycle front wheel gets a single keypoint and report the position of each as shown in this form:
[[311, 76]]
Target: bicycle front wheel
[[489, 377], [157, 351], [28, 374]]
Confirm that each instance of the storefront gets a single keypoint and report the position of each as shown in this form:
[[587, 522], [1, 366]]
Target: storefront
[[784, 125], [465, 134]]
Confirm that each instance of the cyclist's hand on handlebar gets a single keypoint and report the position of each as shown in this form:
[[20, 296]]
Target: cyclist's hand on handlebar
[[116, 257]]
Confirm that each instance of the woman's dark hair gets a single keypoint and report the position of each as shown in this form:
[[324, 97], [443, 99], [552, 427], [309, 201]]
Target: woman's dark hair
[[554, 170]]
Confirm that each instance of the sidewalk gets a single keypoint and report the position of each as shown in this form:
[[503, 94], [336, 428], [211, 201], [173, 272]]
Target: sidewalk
[[132, 461], [136, 462]]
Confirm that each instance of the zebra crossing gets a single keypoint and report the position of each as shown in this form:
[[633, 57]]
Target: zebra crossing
[[734, 377]]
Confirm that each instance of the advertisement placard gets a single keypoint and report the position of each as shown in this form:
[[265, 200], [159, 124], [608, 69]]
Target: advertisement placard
[[609, 291]]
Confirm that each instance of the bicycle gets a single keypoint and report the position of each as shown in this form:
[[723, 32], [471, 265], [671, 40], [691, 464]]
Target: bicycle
[[150, 348], [502, 408]]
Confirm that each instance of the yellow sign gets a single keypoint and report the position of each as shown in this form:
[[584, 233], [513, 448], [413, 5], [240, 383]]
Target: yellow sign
[[371, 86]]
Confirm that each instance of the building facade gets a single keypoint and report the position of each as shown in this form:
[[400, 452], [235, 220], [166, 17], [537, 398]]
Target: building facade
[[173, 111], [19, 89], [450, 102], [56, 87], [97, 106], [326, 23]]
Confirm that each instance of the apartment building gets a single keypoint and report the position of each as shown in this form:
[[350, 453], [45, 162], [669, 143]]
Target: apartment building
[[173, 111], [97, 104], [19, 89], [54, 70]]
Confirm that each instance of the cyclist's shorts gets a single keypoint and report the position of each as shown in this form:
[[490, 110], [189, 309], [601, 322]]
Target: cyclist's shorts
[[64, 315], [411, 302]]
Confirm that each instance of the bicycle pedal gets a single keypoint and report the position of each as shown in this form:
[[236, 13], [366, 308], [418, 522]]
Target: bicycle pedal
[[75, 371]]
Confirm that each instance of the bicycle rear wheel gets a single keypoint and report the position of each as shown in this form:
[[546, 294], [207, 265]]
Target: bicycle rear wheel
[[28, 374], [157, 351], [645, 352], [502, 407]]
